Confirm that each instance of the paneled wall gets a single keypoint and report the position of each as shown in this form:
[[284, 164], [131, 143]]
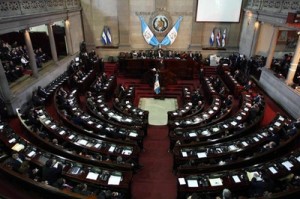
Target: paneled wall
[[123, 19]]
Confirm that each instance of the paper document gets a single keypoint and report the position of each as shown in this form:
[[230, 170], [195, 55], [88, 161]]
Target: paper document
[[181, 181], [192, 183], [216, 182], [92, 176], [273, 170], [287, 165], [236, 179], [202, 155], [184, 154], [114, 180]]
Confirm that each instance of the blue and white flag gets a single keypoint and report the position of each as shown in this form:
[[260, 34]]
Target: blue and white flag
[[223, 38], [171, 36], [148, 34], [212, 38], [106, 36], [218, 38], [156, 84]]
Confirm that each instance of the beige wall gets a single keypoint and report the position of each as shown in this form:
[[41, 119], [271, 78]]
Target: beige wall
[[76, 31], [122, 18], [264, 39]]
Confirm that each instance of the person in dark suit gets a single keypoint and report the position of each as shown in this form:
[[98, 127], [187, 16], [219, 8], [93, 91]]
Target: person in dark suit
[[37, 100], [50, 174], [253, 112], [228, 101], [42, 92], [19, 163], [258, 186]]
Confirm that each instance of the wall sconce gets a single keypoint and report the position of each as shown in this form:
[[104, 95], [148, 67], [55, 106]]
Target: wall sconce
[[256, 24], [249, 13]]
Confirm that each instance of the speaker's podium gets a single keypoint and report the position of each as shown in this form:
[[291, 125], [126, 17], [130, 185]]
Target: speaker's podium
[[214, 60]]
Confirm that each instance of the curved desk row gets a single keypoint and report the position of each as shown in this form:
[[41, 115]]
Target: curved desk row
[[222, 131], [235, 153], [74, 172], [239, 180], [83, 122]]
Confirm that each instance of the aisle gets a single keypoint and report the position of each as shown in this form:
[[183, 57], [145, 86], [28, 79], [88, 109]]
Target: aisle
[[155, 180]]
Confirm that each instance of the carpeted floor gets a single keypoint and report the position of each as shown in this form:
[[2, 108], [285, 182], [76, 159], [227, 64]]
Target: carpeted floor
[[155, 180], [158, 109]]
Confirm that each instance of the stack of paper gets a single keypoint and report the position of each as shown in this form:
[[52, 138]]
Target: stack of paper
[[236, 179], [192, 183], [181, 181], [287, 164], [215, 182], [112, 148], [132, 134], [273, 170], [82, 142], [18, 147], [201, 154], [126, 152], [114, 180], [92, 176]]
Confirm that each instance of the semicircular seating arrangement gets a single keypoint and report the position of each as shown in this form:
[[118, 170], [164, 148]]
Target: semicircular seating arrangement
[[92, 127]]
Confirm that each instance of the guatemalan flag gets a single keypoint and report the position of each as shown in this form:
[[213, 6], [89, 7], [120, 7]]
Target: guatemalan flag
[[218, 38], [156, 84], [147, 33], [212, 38], [223, 38], [171, 36], [106, 36]]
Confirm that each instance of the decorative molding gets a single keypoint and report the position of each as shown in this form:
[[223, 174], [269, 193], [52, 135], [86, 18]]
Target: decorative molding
[[275, 6], [13, 8]]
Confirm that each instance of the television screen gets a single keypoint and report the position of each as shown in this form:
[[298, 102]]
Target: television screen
[[218, 10]]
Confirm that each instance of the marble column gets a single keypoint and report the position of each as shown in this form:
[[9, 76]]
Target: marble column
[[123, 11], [272, 47], [257, 26], [52, 43], [5, 90], [294, 64], [68, 37], [32, 60]]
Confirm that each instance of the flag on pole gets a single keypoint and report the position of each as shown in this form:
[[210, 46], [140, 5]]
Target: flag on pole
[[223, 38], [212, 38], [171, 36], [156, 84], [106, 36], [147, 33], [218, 37]]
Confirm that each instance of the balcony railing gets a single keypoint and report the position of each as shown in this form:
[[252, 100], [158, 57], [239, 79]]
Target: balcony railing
[[275, 6], [12, 8]]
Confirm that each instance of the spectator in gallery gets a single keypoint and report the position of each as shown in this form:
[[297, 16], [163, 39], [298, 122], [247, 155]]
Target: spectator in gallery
[[37, 100], [42, 92], [248, 85]]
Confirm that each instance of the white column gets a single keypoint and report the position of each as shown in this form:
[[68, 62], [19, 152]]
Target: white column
[[32, 59], [257, 26], [272, 47], [68, 38], [294, 64], [6, 94], [52, 42]]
